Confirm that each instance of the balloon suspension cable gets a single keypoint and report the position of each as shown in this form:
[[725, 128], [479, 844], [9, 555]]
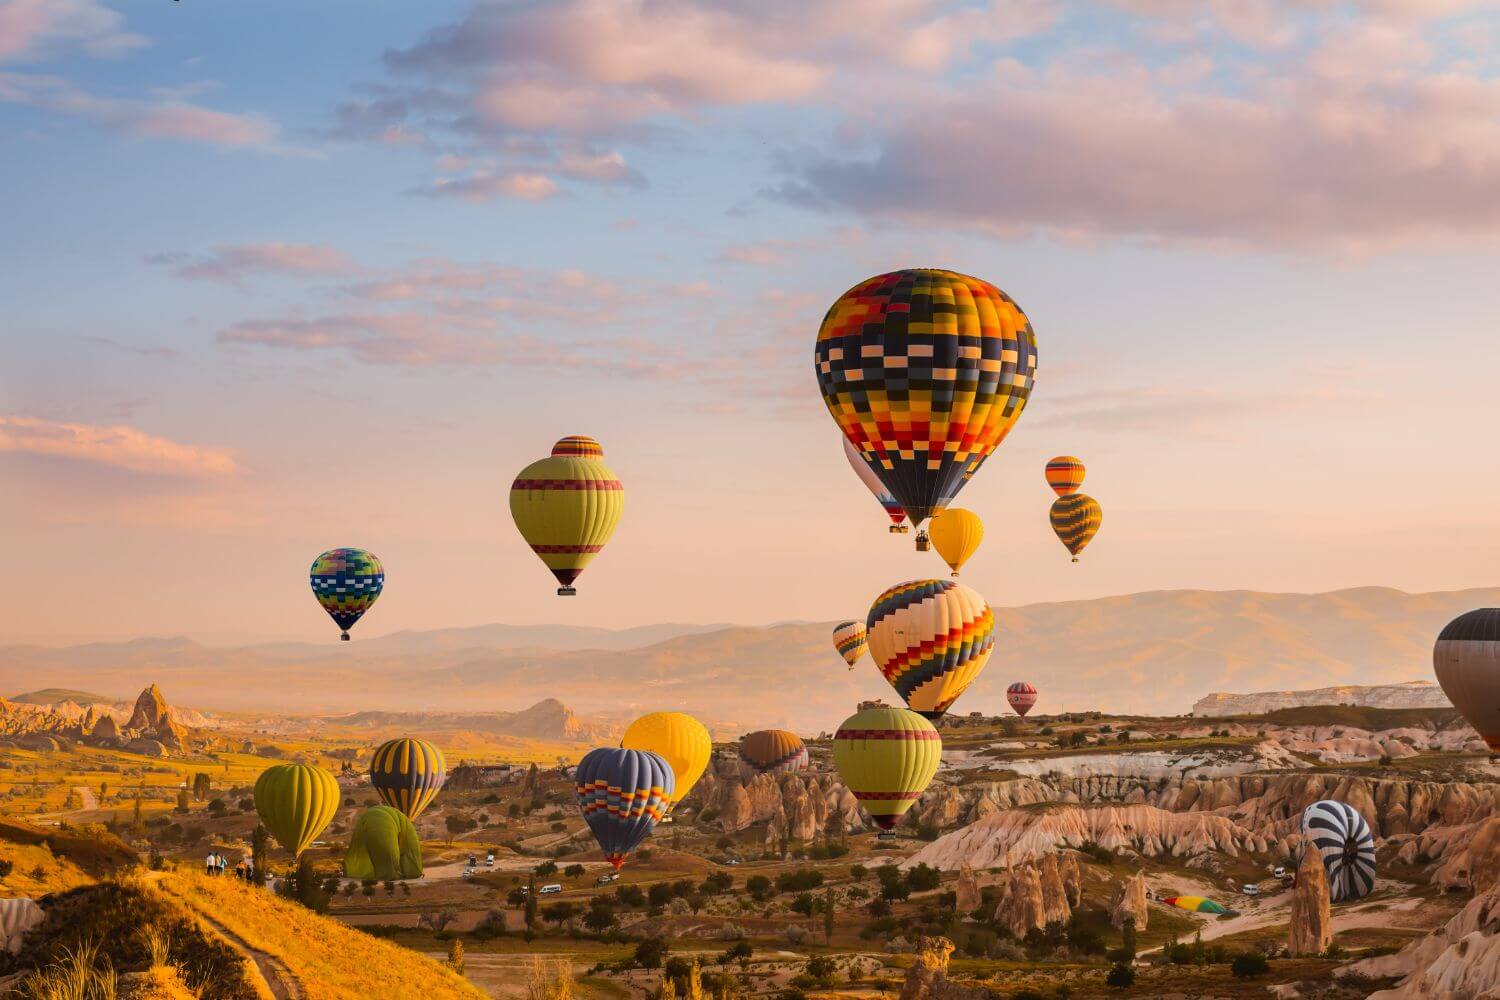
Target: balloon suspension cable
[[567, 591], [343, 636]]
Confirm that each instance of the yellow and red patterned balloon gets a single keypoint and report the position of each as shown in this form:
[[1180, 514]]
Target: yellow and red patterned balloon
[[886, 757], [850, 639], [925, 371], [930, 639], [567, 506], [1076, 519], [1065, 474]]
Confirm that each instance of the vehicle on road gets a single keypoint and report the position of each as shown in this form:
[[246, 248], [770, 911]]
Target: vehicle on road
[[547, 890]]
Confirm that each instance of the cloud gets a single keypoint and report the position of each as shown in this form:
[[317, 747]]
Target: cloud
[[233, 263], [119, 447], [161, 118], [485, 187], [1368, 146], [408, 339], [145, 352], [44, 29]]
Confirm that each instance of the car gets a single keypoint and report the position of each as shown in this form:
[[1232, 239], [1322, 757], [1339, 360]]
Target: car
[[468, 873], [489, 860], [547, 890], [1250, 889], [473, 861], [1280, 871]]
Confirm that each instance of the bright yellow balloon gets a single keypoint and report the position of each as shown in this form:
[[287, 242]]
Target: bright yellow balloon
[[956, 534], [679, 738]]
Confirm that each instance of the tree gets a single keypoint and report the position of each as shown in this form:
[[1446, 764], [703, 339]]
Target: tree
[[304, 886], [650, 953], [456, 956], [828, 915], [558, 913], [183, 802], [546, 868], [601, 915], [1249, 965], [260, 844], [454, 824], [201, 786], [531, 902], [803, 904], [1121, 976], [758, 886], [922, 877], [1127, 939], [136, 822], [739, 952], [573, 871], [438, 920], [103, 790]]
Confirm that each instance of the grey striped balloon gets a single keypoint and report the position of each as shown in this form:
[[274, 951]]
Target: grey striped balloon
[[1342, 838]]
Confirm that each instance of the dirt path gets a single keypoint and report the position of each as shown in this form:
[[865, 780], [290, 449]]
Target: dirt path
[[279, 979]]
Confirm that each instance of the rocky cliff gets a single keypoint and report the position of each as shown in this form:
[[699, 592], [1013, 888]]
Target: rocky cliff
[[1412, 694]]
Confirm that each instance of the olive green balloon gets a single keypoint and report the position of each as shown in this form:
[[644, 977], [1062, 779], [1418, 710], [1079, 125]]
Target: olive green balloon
[[296, 802], [384, 847]]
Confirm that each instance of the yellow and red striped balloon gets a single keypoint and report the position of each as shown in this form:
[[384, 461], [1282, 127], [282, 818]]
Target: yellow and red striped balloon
[[930, 639], [567, 506], [851, 640], [1065, 474], [886, 757]]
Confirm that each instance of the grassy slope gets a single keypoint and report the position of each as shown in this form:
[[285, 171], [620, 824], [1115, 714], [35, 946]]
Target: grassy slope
[[330, 960]]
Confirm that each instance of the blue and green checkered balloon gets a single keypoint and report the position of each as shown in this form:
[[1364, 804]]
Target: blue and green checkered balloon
[[346, 583]]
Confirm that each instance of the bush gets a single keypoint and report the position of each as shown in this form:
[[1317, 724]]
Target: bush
[[799, 880], [708, 815], [922, 877], [1121, 976], [1249, 965]]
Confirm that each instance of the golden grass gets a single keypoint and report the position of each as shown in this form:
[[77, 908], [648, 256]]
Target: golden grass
[[331, 961], [38, 871], [160, 982]]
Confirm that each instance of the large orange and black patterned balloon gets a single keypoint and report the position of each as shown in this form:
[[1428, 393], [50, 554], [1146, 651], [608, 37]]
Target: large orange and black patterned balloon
[[1075, 520], [925, 371]]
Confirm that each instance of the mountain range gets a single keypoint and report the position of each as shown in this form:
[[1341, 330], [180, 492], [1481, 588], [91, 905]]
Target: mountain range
[[1151, 653]]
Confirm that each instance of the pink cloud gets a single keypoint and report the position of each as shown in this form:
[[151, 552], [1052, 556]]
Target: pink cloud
[[231, 263], [121, 447], [485, 187], [39, 29]]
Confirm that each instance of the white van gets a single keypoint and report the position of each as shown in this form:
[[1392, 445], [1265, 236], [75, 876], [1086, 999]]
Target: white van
[[549, 889]]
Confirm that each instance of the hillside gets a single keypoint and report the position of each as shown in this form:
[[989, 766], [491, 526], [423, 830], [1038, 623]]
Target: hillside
[[1153, 652], [58, 696], [1414, 694]]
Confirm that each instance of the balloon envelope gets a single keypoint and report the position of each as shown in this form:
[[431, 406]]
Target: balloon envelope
[[1194, 904], [925, 371], [956, 534], [774, 750], [851, 640], [678, 738], [1466, 659], [346, 583], [1020, 696], [930, 639], [384, 847], [407, 774], [622, 794], [1342, 838], [875, 486], [567, 506], [1076, 519], [296, 802], [886, 757], [1065, 474]]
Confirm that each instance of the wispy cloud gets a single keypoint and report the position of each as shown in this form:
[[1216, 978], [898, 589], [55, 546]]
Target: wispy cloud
[[120, 447], [233, 263], [42, 29]]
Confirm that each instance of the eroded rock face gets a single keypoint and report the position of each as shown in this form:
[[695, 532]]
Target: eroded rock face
[[735, 811], [1311, 918], [1128, 902], [1072, 879], [1055, 908], [1021, 908], [967, 894], [1461, 959], [150, 709]]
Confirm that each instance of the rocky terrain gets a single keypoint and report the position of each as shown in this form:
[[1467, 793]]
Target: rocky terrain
[[548, 719], [150, 727], [1412, 694]]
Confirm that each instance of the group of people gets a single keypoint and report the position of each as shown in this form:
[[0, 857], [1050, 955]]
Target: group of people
[[218, 864]]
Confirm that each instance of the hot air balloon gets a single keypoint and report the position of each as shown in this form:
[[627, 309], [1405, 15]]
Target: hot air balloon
[[295, 802], [849, 638], [384, 847], [886, 757], [407, 774], [925, 371], [1342, 838], [930, 639], [874, 485], [622, 794], [1194, 904], [679, 739], [346, 583], [774, 750], [1065, 474], [1075, 519], [956, 534], [1020, 696], [1466, 659], [566, 507]]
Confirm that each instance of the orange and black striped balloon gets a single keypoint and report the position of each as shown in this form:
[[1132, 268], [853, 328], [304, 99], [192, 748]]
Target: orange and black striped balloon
[[1075, 519], [774, 750], [1065, 474]]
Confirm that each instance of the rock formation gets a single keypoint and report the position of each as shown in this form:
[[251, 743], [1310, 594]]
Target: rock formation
[[1055, 908], [966, 893], [1311, 917], [1413, 694], [927, 979], [1021, 908], [1128, 902], [1072, 879], [151, 709]]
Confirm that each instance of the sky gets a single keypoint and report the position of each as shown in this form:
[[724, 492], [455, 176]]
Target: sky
[[282, 277]]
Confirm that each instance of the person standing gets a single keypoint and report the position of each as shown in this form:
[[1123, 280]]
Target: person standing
[[211, 865]]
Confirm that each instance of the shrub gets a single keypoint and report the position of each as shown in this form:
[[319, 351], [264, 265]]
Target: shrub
[[799, 880], [1120, 976], [1249, 965]]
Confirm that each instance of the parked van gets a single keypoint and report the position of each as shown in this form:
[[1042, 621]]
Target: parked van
[[548, 889]]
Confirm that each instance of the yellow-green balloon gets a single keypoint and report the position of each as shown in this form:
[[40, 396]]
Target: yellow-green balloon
[[296, 803], [384, 847]]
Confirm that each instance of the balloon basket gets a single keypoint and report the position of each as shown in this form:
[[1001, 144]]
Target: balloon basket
[[1075, 558], [344, 637], [898, 529], [567, 591], [886, 835], [924, 544]]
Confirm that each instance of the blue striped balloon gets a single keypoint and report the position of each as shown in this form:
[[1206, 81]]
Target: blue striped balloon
[[622, 795]]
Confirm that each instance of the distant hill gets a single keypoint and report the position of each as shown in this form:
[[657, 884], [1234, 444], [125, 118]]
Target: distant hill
[[56, 696], [1152, 653], [1415, 694], [548, 719]]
